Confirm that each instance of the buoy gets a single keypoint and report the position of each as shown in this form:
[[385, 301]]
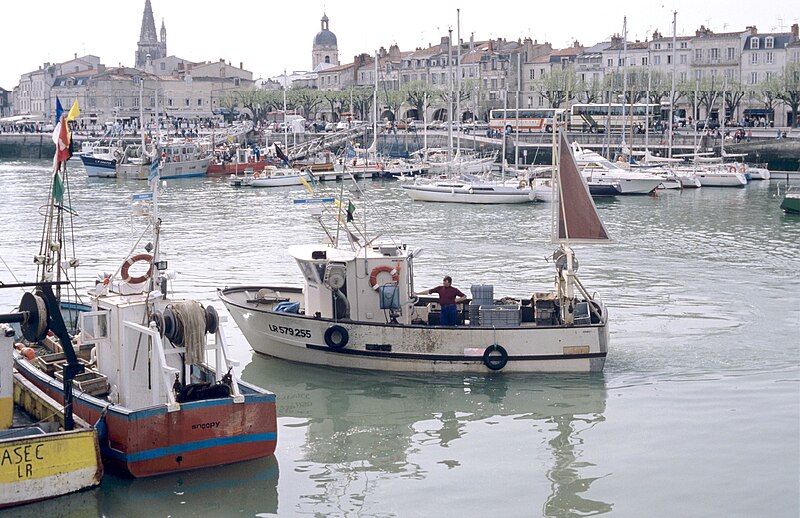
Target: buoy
[[28, 353]]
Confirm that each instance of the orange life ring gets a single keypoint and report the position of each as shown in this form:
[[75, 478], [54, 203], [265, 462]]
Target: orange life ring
[[732, 169], [135, 259], [523, 184], [373, 276]]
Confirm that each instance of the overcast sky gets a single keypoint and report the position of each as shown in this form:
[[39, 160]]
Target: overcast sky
[[270, 36]]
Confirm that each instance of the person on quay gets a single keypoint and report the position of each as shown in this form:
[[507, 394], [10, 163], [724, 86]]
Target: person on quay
[[448, 298]]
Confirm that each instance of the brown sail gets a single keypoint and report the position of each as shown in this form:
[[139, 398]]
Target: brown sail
[[578, 220]]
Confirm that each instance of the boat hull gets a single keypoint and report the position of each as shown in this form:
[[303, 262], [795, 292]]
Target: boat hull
[[156, 441], [416, 348], [715, 179], [99, 167], [467, 194], [185, 169], [42, 466], [791, 203]]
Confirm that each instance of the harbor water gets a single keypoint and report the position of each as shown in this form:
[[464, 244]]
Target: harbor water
[[697, 413]]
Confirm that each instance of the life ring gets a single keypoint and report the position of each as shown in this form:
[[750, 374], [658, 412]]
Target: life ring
[[336, 337], [732, 169], [373, 276], [523, 184], [495, 357], [135, 259]]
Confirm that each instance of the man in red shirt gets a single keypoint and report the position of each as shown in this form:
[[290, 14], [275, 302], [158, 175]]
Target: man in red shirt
[[448, 298]]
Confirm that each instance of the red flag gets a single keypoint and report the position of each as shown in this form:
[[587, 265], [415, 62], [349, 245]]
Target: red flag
[[62, 146]]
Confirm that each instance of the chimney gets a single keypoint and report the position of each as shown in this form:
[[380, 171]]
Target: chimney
[[241, 65], [795, 35], [76, 55]]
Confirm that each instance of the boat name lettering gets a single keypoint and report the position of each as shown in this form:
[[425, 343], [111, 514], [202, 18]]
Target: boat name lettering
[[293, 331], [21, 454], [22, 457], [203, 426]]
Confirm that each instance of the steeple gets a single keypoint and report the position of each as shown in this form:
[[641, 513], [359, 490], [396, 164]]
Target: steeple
[[148, 39]]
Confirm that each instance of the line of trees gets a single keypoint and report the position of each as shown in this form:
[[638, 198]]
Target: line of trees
[[561, 85], [308, 102]]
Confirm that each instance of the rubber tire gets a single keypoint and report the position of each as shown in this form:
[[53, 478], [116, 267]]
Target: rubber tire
[[491, 361], [330, 337]]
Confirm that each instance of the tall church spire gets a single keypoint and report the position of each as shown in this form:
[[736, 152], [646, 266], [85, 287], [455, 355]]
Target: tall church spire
[[148, 39]]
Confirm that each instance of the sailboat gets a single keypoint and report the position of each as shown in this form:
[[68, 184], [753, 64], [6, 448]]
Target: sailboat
[[358, 309], [457, 178], [143, 368]]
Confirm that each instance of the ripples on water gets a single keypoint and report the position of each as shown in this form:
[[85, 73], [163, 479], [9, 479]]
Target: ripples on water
[[699, 397]]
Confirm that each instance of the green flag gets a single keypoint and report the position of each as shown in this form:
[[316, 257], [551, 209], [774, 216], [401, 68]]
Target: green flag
[[350, 210], [58, 187]]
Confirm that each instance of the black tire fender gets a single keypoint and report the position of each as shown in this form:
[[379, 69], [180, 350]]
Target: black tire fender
[[336, 337], [495, 357]]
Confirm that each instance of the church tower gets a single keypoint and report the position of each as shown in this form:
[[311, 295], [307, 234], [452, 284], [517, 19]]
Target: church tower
[[148, 39], [325, 52]]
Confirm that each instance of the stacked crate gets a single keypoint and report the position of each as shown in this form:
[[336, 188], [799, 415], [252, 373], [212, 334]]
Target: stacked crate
[[482, 295]]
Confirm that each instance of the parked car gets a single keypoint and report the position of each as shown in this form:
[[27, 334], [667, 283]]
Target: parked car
[[330, 126], [712, 124]]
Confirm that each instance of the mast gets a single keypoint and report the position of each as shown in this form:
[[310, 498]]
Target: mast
[[450, 92], [458, 82], [285, 122], [672, 88], [374, 145], [624, 76]]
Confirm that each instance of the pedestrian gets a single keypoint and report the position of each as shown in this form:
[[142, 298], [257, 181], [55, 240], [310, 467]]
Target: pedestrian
[[448, 298]]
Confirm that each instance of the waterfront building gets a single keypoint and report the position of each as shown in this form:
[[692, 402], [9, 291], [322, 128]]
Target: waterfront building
[[5, 103]]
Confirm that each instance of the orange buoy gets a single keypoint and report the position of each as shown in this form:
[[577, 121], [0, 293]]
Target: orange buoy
[[28, 353]]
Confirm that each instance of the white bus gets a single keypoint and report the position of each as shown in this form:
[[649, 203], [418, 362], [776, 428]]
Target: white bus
[[524, 119], [597, 117]]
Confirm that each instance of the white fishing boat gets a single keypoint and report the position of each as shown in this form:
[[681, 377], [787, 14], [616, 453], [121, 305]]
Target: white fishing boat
[[358, 309], [175, 158]]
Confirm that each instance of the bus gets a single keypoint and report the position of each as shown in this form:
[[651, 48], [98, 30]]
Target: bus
[[523, 120], [597, 117]]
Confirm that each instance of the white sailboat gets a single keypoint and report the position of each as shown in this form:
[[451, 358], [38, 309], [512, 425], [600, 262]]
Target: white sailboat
[[357, 307]]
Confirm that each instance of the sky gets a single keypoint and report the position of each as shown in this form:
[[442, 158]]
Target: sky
[[270, 36]]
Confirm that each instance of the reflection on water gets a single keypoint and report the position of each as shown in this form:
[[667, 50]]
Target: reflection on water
[[702, 289], [365, 430]]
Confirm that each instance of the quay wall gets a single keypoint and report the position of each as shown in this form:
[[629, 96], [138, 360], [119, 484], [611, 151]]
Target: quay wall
[[780, 154]]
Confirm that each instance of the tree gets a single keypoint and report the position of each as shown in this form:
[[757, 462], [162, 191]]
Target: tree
[[734, 93], [306, 99], [229, 102], [362, 101], [335, 99], [555, 86], [418, 94], [767, 92], [790, 90]]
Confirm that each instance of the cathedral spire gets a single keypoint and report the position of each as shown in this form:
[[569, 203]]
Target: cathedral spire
[[148, 39]]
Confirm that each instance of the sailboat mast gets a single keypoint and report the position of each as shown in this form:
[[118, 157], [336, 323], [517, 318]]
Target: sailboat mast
[[624, 72], [285, 122], [672, 88], [450, 96], [458, 82]]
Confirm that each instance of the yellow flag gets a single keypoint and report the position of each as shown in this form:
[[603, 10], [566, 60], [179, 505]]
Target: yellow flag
[[74, 111], [230, 139], [305, 182]]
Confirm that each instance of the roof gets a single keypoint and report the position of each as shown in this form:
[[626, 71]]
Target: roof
[[325, 38]]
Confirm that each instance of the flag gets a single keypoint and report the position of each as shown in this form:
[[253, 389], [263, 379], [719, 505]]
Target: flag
[[350, 210], [62, 142], [58, 187], [305, 182], [280, 153], [230, 139], [59, 109], [74, 111], [153, 172]]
